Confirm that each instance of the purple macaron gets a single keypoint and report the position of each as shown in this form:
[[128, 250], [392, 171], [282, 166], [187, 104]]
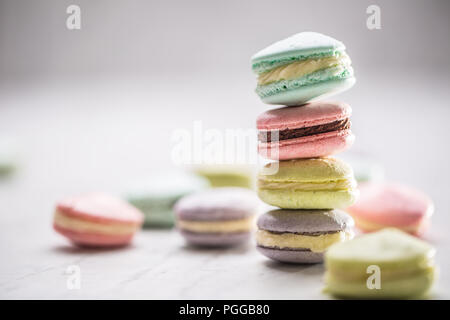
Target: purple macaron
[[301, 236], [217, 217]]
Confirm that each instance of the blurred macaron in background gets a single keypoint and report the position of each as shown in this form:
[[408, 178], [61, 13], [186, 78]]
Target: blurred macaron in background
[[156, 195]]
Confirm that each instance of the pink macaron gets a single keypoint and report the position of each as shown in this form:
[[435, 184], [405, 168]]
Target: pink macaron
[[316, 129], [97, 220], [388, 204]]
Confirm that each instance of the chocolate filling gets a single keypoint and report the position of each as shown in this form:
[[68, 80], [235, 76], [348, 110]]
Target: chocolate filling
[[266, 136]]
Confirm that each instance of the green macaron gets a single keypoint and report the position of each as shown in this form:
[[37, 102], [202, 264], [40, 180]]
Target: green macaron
[[227, 175], [303, 67], [385, 264], [156, 196], [318, 183]]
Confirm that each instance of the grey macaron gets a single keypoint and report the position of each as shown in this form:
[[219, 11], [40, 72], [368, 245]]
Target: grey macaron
[[280, 232], [217, 217]]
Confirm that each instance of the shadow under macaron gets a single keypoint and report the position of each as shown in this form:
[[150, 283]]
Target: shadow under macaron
[[304, 268], [75, 249], [219, 250]]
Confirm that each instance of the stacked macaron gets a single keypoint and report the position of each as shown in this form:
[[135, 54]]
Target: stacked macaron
[[307, 184]]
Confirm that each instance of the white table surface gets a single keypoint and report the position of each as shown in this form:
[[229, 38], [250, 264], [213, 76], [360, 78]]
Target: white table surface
[[78, 136]]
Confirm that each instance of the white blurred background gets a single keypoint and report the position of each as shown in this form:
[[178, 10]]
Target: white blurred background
[[92, 109]]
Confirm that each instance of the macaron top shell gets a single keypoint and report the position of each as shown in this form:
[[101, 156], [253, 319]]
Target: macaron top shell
[[389, 246], [226, 203], [305, 221], [309, 170], [308, 115], [99, 207], [302, 45], [397, 203]]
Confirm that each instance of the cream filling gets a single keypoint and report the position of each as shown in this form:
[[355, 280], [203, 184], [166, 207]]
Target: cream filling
[[300, 68], [343, 184], [241, 225], [298, 241], [78, 225]]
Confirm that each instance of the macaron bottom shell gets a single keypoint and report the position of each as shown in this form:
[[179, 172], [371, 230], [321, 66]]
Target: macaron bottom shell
[[93, 240], [319, 145], [215, 240], [302, 94], [297, 256], [409, 287], [294, 199]]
